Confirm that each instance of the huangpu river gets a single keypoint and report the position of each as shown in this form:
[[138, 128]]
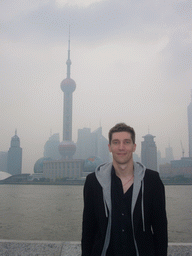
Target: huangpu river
[[43, 212]]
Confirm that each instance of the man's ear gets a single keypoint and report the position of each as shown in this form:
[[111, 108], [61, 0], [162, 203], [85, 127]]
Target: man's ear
[[109, 146]]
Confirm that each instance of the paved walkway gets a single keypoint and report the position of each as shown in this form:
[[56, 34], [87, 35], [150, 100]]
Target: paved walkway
[[60, 248], [38, 248]]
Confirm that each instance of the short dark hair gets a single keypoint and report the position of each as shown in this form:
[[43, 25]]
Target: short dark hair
[[122, 127]]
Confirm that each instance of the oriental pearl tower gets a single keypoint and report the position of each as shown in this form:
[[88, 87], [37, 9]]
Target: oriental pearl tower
[[67, 147]]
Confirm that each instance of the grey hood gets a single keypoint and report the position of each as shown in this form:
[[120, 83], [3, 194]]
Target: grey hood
[[103, 175]]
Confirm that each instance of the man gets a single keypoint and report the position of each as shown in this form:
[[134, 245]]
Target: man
[[124, 204]]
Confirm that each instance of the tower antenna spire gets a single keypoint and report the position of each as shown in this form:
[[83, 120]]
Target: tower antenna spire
[[69, 40], [148, 129], [68, 62]]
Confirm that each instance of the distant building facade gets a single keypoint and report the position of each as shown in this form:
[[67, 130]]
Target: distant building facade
[[92, 144], [38, 166], [90, 164], [149, 152], [168, 157], [83, 145], [169, 154], [189, 113], [181, 167], [14, 159], [136, 158], [3, 161], [51, 148], [160, 160], [63, 169]]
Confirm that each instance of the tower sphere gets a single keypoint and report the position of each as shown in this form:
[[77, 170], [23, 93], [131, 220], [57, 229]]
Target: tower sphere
[[68, 85], [67, 149]]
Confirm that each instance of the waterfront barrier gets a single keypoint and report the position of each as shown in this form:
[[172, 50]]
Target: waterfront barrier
[[61, 248]]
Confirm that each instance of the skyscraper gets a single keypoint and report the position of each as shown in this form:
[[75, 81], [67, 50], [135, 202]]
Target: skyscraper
[[14, 159], [67, 148], [92, 144], [169, 154], [51, 147], [149, 152], [189, 112]]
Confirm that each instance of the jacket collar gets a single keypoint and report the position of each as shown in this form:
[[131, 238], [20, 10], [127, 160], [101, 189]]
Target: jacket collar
[[103, 175]]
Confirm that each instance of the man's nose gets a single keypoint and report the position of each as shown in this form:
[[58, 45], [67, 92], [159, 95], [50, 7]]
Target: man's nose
[[121, 145]]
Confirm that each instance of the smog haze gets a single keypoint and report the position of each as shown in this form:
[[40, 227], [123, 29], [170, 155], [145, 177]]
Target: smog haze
[[131, 61]]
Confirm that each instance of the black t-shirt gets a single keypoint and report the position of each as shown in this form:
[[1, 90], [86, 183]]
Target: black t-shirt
[[121, 242]]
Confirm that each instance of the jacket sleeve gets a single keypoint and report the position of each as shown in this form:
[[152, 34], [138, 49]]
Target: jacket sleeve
[[159, 218], [89, 220]]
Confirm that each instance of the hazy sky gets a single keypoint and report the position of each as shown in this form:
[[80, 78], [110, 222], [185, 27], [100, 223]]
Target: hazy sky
[[131, 61]]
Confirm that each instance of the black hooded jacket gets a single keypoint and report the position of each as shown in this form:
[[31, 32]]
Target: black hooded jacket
[[148, 214]]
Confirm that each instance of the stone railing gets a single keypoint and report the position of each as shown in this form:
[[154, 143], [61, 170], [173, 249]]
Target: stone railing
[[60, 248]]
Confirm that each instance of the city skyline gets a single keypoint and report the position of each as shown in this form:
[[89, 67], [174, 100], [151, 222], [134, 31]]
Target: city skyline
[[131, 63]]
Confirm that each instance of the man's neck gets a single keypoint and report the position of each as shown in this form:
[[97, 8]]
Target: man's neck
[[123, 170]]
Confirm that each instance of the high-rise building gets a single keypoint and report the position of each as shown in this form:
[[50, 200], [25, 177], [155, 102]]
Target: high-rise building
[[169, 154], [51, 149], [100, 145], [189, 112], [92, 144], [149, 152], [84, 149], [14, 159]]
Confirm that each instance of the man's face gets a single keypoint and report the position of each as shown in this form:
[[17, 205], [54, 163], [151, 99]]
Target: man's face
[[122, 147]]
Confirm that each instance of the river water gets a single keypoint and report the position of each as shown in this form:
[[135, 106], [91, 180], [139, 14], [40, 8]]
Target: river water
[[43, 212]]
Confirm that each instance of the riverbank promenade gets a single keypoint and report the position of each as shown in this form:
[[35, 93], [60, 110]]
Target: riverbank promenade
[[60, 248]]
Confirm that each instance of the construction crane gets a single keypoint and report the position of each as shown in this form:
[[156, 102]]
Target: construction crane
[[183, 151]]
